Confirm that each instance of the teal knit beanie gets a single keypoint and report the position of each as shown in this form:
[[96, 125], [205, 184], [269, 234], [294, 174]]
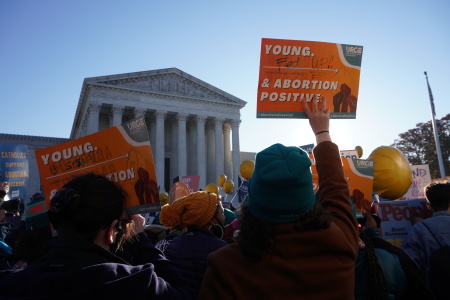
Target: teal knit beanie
[[281, 188]]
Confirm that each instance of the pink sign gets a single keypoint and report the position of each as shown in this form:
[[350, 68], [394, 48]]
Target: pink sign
[[192, 182]]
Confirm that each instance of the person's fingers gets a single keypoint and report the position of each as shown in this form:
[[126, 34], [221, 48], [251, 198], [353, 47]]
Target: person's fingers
[[323, 104], [306, 108], [314, 104]]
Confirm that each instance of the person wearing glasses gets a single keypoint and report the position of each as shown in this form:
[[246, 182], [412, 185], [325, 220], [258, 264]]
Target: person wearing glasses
[[89, 217]]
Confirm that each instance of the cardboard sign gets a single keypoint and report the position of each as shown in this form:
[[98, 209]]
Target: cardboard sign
[[359, 176], [192, 182], [291, 71], [179, 189], [121, 153], [353, 154], [14, 169], [421, 177], [396, 218]]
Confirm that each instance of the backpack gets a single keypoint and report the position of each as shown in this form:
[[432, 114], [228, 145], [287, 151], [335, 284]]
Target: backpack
[[439, 269]]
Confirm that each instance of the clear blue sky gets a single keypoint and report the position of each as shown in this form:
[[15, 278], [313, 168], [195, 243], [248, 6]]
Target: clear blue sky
[[48, 47]]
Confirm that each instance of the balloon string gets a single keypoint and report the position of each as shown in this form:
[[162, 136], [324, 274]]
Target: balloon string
[[242, 182]]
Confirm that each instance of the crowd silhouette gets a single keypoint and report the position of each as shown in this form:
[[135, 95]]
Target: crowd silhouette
[[282, 242]]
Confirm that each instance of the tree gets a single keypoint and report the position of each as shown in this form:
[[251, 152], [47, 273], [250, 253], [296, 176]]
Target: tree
[[418, 145]]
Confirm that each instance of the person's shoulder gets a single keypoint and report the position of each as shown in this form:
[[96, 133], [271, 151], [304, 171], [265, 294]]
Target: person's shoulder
[[228, 252]]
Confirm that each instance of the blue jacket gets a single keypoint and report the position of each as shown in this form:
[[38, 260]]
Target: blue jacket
[[75, 270], [189, 251], [394, 276], [420, 243]]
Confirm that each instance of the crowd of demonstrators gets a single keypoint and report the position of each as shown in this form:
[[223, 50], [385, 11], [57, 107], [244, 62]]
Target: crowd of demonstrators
[[289, 246], [201, 216], [282, 242], [428, 241], [89, 217]]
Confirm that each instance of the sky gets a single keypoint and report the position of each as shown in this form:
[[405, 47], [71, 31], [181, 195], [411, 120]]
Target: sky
[[48, 47]]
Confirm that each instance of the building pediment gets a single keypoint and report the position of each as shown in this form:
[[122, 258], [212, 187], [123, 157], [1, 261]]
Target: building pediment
[[168, 82]]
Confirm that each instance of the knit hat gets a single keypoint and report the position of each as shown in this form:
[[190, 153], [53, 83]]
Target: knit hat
[[36, 213], [281, 188], [194, 209]]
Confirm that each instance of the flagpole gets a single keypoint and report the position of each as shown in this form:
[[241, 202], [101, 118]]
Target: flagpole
[[435, 131]]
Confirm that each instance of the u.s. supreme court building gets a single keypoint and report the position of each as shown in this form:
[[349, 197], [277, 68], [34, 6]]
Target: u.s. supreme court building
[[193, 126]]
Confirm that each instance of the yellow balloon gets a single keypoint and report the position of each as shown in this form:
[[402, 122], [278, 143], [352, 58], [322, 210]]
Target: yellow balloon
[[392, 172], [222, 179], [212, 188], [228, 186], [163, 198], [246, 169], [359, 150]]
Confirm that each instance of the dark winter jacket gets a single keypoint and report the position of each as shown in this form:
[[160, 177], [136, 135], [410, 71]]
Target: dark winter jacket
[[75, 270], [189, 251]]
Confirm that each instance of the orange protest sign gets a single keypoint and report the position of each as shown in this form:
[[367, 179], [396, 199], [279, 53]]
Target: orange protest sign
[[291, 71], [121, 153], [359, 176]]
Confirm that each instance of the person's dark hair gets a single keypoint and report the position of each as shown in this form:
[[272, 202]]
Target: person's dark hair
[[85, 205], [256, 237], [376, 286], [438, 195]]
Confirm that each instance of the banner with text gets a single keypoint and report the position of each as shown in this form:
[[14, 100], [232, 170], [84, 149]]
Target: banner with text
[[121, 153], [291, 71], [14, 169], [396, 218]]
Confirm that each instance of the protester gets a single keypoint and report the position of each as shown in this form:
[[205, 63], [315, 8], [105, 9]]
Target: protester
[[31, 240], [201, 214], [378, 273], [230, 232], [290, 247], [428, 242], [4, 190], [89, 217], [5, 226]]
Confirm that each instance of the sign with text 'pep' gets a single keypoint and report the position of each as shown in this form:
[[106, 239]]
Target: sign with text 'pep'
[[291, 71], [121, 153], [14, 169], [396, 218]]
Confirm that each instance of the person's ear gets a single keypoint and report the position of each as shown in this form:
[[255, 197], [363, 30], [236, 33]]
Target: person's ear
[[111, 232]]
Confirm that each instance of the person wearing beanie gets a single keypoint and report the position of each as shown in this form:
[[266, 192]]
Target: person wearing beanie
[[201, 215], [291, 246]]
